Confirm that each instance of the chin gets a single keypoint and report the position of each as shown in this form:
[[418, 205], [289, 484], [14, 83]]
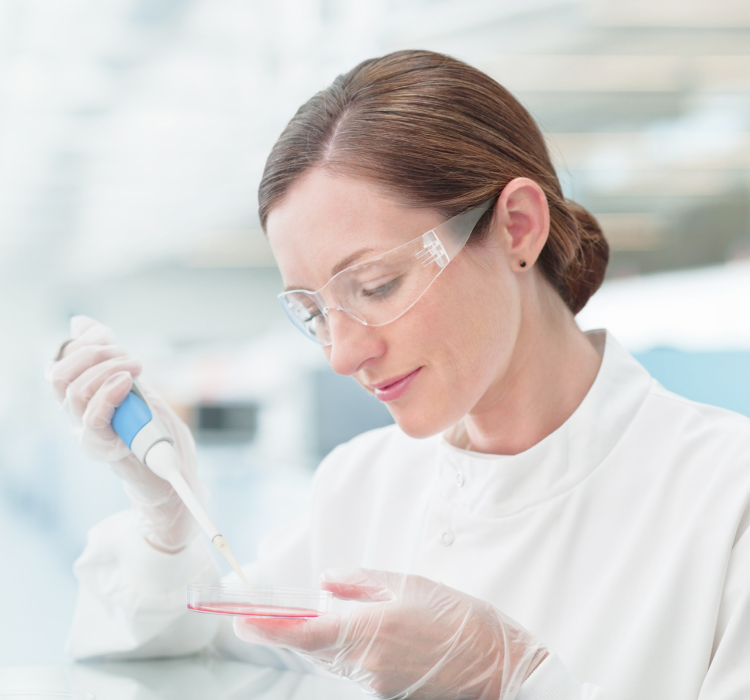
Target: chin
[[420, 424]]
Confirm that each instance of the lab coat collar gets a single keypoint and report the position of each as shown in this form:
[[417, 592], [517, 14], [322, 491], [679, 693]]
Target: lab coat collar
[[501, 485]]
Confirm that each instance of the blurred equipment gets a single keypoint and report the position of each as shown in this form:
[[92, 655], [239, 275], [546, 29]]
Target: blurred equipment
[[342, 410], [226, 422], [716, 378]]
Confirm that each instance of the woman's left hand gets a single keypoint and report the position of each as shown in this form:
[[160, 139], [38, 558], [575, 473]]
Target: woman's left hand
[[416, 638]]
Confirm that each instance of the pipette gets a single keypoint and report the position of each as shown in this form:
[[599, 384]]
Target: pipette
[[140, 428]]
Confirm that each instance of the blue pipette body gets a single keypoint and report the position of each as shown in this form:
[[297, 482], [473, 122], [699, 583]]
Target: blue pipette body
[[141, 429], [131, 417]]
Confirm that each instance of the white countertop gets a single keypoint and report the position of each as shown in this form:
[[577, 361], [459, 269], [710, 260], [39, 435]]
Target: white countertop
[[190, 678]]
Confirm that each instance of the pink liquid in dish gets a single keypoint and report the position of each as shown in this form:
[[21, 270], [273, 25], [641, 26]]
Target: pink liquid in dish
[[250, 610]]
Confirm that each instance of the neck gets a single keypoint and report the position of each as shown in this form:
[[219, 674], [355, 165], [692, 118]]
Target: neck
[[552, 369]]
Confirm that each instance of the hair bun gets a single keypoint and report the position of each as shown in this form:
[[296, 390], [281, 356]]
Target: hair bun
[[585, 272]]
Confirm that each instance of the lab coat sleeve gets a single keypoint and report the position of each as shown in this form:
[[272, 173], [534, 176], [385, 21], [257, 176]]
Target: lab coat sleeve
[[131, 600], [728, 675]]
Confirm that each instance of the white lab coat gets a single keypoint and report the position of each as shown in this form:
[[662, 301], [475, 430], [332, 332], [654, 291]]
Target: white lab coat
[[621, 540]]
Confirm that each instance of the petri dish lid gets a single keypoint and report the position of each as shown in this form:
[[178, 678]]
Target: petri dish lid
[[238, 599]]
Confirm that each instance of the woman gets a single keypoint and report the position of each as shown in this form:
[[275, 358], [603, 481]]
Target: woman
[[540, 490]]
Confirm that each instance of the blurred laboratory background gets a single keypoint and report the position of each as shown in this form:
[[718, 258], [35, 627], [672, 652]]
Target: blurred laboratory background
[[133, 135]]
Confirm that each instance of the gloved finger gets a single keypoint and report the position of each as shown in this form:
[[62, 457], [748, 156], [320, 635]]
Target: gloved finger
[[82, 389], [60, 374], [85, 331], [308, 635], [366, 585], [111, 394], [79, 325]]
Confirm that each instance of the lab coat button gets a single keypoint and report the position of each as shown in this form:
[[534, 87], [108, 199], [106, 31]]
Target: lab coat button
[[460, 479], [447, 538]]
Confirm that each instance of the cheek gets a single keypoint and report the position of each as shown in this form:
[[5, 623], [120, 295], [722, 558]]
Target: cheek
[[478, 320], [464, 334]]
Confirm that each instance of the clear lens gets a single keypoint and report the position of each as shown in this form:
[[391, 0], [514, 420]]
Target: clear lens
[[305, 313], [374, 292], [381, 289]]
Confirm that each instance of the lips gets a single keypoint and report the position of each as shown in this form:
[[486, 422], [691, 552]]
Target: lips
[[395, 387]]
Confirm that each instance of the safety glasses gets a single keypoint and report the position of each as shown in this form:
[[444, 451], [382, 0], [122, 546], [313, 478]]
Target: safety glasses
[[383, 288]]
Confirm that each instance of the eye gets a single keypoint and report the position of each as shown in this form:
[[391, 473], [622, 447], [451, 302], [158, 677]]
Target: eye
[[313, 314], [383, 290]]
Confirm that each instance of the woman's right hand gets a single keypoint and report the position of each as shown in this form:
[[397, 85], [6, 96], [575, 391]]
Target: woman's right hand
[[91, 376]]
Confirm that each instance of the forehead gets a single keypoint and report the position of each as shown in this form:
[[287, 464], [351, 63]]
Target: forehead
[[324, 220]]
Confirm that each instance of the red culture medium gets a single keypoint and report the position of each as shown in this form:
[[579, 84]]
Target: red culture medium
[[221, 608]]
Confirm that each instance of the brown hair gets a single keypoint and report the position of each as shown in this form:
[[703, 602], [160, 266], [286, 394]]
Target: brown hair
[[435, 132]]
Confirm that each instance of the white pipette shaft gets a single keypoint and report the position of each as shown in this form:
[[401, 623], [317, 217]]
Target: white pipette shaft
[[162, 459]]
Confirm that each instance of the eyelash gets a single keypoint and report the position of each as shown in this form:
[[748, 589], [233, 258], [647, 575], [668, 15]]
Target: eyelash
[[382, 290]]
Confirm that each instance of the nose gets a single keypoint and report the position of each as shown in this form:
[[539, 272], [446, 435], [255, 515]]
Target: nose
[[353, 345]]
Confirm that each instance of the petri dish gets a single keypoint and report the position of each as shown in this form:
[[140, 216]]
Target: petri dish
[[43, 695], [238, 599]]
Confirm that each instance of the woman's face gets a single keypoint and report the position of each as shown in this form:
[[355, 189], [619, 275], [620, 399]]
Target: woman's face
[[449, 354]]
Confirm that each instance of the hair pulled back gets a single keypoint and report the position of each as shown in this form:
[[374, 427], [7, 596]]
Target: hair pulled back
[[435, 132]]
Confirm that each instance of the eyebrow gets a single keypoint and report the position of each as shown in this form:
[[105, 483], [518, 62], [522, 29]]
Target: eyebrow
[[339, 266]]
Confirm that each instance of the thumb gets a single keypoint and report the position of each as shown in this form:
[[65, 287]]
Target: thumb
[[365, 585]]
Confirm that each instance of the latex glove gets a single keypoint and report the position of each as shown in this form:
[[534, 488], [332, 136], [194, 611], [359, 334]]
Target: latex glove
[[416, 639], [91, 377]]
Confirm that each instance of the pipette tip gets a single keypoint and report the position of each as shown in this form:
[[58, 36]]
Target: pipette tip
[[223, 548]]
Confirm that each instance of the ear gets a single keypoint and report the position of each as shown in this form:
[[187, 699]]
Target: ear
[[521, 219]]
